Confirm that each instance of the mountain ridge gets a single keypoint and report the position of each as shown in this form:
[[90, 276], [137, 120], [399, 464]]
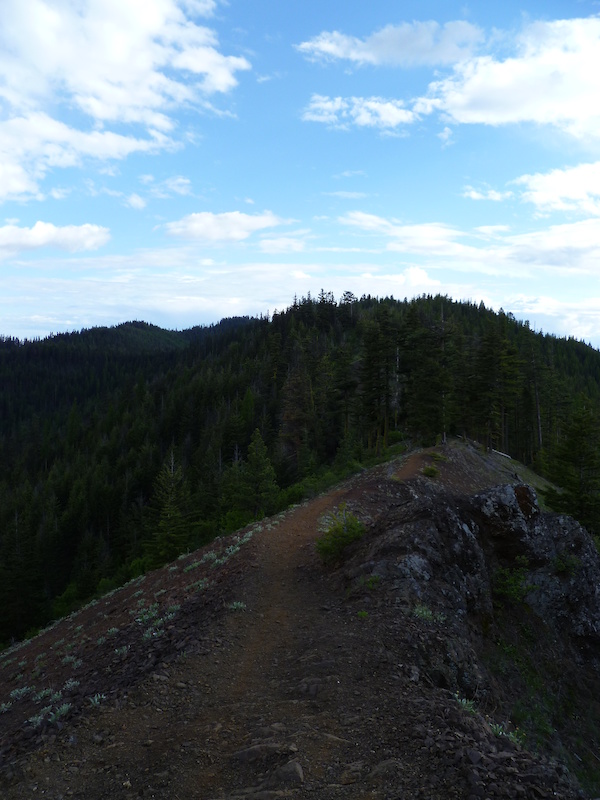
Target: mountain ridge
[[277, 677]]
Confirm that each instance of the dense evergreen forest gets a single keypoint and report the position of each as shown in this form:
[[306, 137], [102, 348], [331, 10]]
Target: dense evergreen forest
[[122, 447]]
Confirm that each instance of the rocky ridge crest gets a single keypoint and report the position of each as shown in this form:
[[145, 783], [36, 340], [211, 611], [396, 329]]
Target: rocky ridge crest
[[452, 653]]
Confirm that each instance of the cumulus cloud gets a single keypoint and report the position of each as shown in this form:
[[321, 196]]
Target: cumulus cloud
[[370, 112], [116, 63], [408, 44], [231, 226], [73, 238], [573, 189], [552, 78]]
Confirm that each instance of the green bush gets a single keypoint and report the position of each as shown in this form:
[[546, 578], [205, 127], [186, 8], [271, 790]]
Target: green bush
[[341, 529], [512, 584], [430, 471]]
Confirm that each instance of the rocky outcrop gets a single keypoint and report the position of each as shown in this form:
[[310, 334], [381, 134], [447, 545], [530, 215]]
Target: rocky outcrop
[[510, 601]]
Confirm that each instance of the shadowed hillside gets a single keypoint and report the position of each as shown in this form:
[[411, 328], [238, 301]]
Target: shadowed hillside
[[121, 448]]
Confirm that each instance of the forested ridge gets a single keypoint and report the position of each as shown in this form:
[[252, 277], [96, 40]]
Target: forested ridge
[[122, 447]]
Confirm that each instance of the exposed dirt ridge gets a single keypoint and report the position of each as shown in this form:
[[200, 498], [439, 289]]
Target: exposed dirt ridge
[[245, 670]]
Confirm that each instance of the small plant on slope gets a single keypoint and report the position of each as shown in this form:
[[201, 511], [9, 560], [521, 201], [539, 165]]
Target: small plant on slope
[[341, 529]]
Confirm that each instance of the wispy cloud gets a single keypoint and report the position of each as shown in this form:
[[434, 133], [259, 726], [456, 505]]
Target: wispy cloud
[[408, 44]]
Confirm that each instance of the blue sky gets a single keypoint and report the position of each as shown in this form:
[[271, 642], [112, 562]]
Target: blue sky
[[179, 161]]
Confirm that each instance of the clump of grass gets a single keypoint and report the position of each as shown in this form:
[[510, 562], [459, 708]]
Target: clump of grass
[[97, 699], [341, 528], [430, 471], [198, 586], [468, 705], [517, 737], [422, 611], [362, 614], [59, 712], [237, 605], [21, 692]]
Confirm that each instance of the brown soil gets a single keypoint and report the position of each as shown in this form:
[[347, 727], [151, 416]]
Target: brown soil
[[304, 691]]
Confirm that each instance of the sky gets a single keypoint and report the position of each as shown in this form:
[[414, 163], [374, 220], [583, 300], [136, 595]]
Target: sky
[[181, 161]]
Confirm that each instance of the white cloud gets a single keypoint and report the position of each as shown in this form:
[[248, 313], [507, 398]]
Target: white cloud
[[282, 244], [568, 249], [492, 231], [116, 62], [135, 201], [231, 226], [372, 112], [488, 194], [34, 144], [407, 44], [59, 193], [72, 238], [167, 188], [427, 238], [553, 78], [179, 185], [445, 136], [578, 318], [573, 189]]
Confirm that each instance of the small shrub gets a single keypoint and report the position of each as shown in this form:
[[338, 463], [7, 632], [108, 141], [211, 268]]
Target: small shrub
[[430, 471], [237, 605], [362, 614], [565, 564], [511, 584], [342, 528], [372, 582]]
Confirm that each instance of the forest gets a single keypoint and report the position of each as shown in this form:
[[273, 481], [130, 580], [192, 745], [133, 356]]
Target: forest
[[122, 447]]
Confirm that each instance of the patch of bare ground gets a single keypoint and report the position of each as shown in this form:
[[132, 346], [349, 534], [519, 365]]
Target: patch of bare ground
[[246, 670]]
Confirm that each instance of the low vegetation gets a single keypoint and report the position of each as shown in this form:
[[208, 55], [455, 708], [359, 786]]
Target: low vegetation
[[340, 529]]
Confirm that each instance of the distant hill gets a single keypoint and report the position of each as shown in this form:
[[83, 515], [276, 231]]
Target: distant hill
[[121, 447]]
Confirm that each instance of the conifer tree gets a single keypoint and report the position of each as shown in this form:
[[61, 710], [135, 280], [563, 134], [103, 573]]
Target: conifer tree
[[260, 482], [170, 535]]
